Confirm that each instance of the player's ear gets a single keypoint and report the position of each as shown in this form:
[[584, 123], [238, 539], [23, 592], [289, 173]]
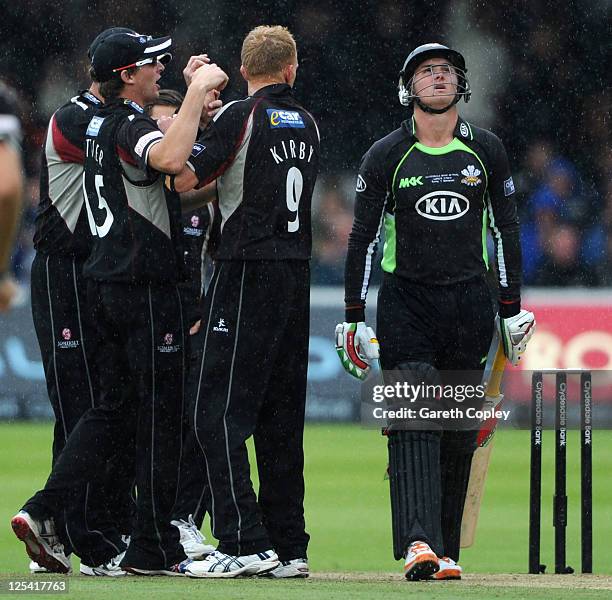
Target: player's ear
[[126, 76], [244, 72], [289, 73]]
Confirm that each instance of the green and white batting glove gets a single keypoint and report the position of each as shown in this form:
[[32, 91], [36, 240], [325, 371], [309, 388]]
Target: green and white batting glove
[[515, 332], [357, 346]]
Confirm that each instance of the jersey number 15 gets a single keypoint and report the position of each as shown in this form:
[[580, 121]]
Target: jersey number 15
[[99, 230]]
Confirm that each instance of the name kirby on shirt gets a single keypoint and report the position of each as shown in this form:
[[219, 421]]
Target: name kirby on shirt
[[291, 149]]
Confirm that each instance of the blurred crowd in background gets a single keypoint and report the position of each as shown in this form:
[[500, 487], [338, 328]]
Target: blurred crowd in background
[[538, 71]]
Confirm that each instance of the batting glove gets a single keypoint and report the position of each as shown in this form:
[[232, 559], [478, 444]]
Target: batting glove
[[357, 346], [515, 332]]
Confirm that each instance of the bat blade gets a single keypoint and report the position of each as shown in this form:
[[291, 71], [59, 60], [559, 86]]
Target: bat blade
[[491, 379]]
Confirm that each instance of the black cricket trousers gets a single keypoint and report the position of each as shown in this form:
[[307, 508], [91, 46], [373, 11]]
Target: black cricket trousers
[[68, 348], [252, 382], [140, 361]]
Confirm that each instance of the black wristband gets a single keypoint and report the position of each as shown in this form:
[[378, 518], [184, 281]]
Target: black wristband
[[509, 308], [354, 314]]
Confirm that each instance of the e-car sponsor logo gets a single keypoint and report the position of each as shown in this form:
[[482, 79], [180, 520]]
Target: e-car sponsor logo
[[133, 104], [508, 187], [94, 126], [410, 181], [284, 118], [442, 206], [361, 184]]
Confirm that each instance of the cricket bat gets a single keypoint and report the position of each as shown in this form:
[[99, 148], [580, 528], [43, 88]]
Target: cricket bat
[[491, 379]]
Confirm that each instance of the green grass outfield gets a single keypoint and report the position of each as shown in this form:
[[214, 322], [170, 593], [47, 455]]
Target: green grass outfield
[[347, 512]]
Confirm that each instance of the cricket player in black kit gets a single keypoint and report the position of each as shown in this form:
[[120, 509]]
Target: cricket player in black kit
[[436, 184], [193, 492], [264, 153], [134, 266], [62, 322]]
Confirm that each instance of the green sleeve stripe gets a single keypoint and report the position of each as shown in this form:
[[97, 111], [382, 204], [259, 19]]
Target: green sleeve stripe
[[388, 262]]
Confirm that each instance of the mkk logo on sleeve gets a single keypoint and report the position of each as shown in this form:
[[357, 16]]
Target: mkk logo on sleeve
[[284, 118]]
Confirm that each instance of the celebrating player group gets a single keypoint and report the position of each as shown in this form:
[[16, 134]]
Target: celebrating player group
[[170, 297]]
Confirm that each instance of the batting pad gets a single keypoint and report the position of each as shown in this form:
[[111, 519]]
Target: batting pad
[[414, 478]]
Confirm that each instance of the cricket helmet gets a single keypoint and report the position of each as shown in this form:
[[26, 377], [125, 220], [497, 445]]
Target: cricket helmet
[[406, 76]]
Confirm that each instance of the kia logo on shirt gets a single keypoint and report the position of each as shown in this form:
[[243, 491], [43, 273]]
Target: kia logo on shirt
[[442, 206]]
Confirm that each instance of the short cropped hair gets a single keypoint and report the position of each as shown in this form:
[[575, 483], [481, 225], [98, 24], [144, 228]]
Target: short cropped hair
[[166, 98], [267, 49]]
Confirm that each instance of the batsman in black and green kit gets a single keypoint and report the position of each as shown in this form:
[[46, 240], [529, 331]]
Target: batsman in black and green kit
[[437, 185]]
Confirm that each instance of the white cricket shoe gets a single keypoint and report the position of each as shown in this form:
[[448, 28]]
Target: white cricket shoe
[[449, 569], [110, 568], [192, 540], [42, 542], [297, 567], [421, 562], [36, 568], [219, 564]]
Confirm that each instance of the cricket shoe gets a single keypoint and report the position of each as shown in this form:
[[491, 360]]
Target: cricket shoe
[[449, 569], [421, 562], [178, 570], [42, 542], [219, 564], [297, 567], [192, 540], [110, 568], [35, 568]]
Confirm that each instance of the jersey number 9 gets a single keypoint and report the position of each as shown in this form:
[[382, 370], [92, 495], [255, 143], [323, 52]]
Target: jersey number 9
[[295, 185]]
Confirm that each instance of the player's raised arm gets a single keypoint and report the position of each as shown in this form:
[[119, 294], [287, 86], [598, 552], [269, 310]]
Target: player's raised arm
[[170, 154], [11, 189]]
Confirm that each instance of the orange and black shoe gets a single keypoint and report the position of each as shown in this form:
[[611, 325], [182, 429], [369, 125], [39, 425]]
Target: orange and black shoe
[[421, 562]]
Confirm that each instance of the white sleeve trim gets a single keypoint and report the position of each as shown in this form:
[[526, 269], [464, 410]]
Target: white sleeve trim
[[501, 261], [155, 141], [368, 262], [141, 145]]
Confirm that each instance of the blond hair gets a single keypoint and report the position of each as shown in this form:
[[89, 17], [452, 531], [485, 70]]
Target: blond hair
[[267, 49]]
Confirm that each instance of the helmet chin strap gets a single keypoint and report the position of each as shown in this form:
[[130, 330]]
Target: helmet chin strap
[[437, 111]]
